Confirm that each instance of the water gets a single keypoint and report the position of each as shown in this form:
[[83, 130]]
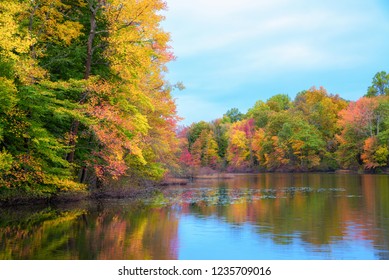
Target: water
[[265, 216]]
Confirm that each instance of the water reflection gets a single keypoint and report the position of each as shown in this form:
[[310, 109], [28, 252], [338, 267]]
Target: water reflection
[[266, 216], [108, 230]]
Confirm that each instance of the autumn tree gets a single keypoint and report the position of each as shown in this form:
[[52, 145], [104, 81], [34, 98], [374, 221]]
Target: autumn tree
[[195, 131], [288, 142], [365, 130], [321, 110], [374, 155], [239, 152], [135, 114]]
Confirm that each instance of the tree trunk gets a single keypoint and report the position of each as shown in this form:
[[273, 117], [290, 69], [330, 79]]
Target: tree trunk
[[91, 37], [88, 69], [83, 174]]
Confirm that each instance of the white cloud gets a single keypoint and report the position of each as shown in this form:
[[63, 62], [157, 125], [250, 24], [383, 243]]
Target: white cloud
[[207, 25], [225, 45]]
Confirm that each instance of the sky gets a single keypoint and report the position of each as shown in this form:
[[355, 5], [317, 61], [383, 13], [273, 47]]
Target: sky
[[231, 53]]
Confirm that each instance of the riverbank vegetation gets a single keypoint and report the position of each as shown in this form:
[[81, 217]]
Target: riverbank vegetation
[[316, 131]]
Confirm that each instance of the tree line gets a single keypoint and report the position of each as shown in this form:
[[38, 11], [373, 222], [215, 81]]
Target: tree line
[[316, 131]]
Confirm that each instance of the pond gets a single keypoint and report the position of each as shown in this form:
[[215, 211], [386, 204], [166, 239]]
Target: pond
[[261, 216]]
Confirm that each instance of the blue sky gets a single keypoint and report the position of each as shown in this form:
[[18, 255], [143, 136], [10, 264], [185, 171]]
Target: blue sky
[[232, 53]]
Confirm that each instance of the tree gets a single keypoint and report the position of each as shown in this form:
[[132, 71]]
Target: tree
[[233, 115], [279, 102], [307, 145], [321, 110], [205, 150], [365, 131], [360, 117], [220, 130], [260, 113], [288, 142], [380, 85], [132, 102], [258, 146], [195, 131], [374, 155], [239, 152]]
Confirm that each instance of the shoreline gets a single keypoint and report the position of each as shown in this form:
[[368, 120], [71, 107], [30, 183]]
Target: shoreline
[[138, 192], [131, 194]]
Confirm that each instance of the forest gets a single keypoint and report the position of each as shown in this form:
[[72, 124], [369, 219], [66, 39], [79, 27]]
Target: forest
[[84, 103], [316, 131]]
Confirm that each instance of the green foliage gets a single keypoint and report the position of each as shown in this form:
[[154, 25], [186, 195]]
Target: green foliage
[[260, 113], [320, 109], [34, 135], [279, 102], [289, 142], [381, 155], [145, 170], [195, 131], [8, 97], [6, 68], [233, 115], [380, 85], [220, 132], [65, 63]]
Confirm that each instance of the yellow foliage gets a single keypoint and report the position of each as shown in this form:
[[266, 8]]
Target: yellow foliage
[[49, 23], [14, 41], [29, 72], [63, 184], [374, 155]]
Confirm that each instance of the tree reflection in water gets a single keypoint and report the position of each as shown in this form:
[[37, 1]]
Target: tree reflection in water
[[317, 210]]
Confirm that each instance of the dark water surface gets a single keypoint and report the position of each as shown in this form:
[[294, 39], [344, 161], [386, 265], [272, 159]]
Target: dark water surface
[[265, 216]]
